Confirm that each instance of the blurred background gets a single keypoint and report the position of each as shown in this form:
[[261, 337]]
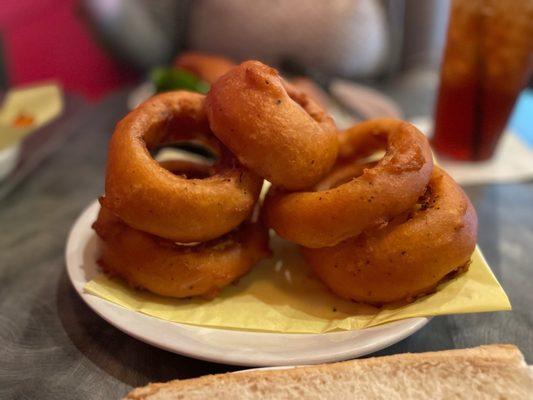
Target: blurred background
[[95, 46], [360, 59]]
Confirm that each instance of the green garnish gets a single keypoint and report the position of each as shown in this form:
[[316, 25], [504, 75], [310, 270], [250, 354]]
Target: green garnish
[[165, 79]]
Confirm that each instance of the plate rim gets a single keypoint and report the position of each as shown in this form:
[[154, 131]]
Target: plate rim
[[100, 307]]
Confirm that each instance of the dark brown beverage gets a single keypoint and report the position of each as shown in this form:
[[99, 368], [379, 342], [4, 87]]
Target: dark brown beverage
[[487, 62]]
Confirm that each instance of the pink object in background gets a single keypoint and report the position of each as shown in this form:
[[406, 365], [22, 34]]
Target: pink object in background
[[45, 39]]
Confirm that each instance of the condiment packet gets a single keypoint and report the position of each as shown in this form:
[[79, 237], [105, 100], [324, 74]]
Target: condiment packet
[[26, 109]]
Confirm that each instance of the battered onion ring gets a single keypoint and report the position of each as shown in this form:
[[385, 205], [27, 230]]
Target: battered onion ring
[[188, 169], [169, 269], [407, 258], [150, 198], [325, 218], [341, 174], [207, 67], [273, 129], [309, 87]]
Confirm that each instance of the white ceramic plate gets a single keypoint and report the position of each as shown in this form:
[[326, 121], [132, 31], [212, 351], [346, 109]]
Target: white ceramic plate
[[220, 345]]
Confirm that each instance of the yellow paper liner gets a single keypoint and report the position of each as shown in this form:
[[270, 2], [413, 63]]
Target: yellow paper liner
[[281, 295]]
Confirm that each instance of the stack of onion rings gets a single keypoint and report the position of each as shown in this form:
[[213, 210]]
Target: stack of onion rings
[[374, 231], [379, 231], [176, 228], [273, 129]]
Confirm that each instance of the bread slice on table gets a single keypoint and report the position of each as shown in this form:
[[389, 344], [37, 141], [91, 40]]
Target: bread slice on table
[[486, 372]]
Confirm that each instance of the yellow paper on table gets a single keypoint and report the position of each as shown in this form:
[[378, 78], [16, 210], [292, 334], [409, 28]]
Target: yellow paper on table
[[26, 109], [281, 295]]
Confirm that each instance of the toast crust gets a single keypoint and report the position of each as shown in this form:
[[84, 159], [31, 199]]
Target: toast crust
[[484, 360]]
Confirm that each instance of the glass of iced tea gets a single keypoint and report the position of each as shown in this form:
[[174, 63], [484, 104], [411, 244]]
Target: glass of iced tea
[[487, 62]]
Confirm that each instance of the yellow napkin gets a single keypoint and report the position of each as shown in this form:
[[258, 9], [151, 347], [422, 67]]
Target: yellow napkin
[[26, 109], [281, 295]]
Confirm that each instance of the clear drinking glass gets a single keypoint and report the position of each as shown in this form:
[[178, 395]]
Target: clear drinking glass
[[487, 62]]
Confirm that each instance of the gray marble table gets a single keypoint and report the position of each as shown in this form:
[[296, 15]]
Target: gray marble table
[[52, 346]]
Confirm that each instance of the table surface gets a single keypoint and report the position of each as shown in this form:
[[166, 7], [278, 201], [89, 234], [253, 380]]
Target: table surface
[[53, 346]]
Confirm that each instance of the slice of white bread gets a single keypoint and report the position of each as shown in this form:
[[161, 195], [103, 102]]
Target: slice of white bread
[[486, 372]]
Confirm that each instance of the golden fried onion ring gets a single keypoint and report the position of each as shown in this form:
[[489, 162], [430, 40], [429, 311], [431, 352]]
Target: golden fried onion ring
[[407, 258], [207, 67], [325, 218], [148, 197], [170, 269], [273, 129]]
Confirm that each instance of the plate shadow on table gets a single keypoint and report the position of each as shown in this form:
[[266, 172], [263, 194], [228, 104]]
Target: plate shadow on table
[[119, 355]]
